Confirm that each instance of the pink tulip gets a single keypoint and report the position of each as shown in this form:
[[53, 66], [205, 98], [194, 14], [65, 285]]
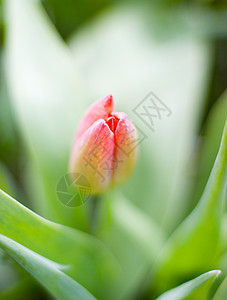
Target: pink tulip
[[104, 150]]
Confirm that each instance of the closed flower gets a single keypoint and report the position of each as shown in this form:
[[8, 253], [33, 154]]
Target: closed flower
[[104, 150]]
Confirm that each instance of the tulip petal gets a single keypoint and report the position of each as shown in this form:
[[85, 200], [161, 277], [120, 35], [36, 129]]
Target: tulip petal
[[98, 110], [92, 156], [125, 151]]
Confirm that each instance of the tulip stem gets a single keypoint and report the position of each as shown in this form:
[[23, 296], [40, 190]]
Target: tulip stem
[[94, 212]]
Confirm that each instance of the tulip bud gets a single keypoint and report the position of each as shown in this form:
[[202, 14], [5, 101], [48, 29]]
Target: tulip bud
[[104, 149]]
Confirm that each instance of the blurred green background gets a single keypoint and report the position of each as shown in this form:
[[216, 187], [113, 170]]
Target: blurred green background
[[57, 57]]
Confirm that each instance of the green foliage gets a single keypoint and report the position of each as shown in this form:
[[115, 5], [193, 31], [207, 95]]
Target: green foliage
[[160, 182], [197, 288], [133, 237], [70, 14], [195, 244], [48, 139], [222, 291], [155, 235], [85, 258], [46, 272]]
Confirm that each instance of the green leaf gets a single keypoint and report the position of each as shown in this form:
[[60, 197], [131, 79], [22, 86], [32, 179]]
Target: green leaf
[[175, 20], [158, 184], [132, 236], [69, 17], [222, 291], [211, 138], [48, 101], [4, 181], [137, 225], [224, 235], [197, 288], [23, 288], [46, 272], [90, 263], [194, 246]]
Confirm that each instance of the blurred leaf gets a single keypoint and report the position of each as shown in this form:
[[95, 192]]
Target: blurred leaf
[[197, 288], [47, 99], [194, 246], [87, 259], [224, 233], [206, 22], [137, 225], [45, 271], [4, 181], [8, 183], [211, 140], [25, 288], [119, 53], [132, 236], [70, 14], [10, 274], [222, 291], [10, 144], [174, 20], [1, 25]]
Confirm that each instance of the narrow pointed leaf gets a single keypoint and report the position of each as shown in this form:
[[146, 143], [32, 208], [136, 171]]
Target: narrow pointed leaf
[[197, 288], [194, 246], [47, 272], [90, 262], [209, 145]]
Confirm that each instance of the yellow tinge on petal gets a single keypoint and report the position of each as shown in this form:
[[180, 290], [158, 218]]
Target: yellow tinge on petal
[[125, 151], [105, 147], [92, 156]]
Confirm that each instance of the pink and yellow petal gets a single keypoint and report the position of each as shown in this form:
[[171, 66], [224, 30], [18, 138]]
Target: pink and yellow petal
[[125, 151], [98, 110], [92, 156]]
